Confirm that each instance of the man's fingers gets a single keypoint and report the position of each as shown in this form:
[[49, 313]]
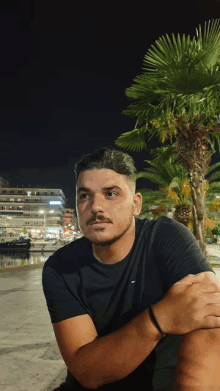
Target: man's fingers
[[210, 276]]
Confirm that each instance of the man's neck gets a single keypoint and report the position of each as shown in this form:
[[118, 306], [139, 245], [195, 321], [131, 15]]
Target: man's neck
[[117, 251]]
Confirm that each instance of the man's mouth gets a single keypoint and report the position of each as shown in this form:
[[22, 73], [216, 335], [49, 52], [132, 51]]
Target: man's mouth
[[100, 222]]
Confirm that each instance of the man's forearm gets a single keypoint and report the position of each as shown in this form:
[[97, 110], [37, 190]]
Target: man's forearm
[[198, 361], [114, 356]]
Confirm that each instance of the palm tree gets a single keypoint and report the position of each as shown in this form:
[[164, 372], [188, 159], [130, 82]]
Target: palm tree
[[211, 202], [179, 97], [174, 189], [152, 198]]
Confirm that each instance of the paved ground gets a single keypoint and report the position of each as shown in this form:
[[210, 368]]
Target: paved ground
[[213, 251], [29, 357]]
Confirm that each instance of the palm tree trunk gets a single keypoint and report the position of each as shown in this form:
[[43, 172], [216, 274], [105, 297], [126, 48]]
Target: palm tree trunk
[[181, 214], [197, 194], [195, 155]]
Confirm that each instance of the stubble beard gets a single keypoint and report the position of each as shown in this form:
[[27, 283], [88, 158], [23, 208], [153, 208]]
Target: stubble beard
[[108, 242]]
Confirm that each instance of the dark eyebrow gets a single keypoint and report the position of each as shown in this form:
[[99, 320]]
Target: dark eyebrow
[[103, 188]]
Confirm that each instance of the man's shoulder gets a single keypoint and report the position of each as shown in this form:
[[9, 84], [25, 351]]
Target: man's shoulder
[[160, 233], [154, 224], [159, 220], [163, 222]]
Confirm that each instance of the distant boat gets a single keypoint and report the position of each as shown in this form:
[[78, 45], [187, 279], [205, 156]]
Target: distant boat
[[16, 245]]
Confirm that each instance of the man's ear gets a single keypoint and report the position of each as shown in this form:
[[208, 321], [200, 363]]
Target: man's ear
[[137, 204]]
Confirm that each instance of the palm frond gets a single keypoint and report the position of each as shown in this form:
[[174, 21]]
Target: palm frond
[[214, 176], [210, 43], [133, 140], [211, 168], [164, 153], [166, 171], [151, 198], [155, 167], [214, 188], [183, 75], [154, 178], [186, 54], [172, 54], [209, 197], [151, 195], [175, 183], [212, 138]]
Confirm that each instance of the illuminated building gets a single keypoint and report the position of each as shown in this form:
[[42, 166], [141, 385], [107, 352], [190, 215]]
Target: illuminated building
[[39, 211]]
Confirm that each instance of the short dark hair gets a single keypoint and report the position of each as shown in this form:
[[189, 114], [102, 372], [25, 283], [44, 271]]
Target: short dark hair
[[108, 158]]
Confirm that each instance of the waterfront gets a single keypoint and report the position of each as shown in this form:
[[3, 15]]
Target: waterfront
[[13, 258]]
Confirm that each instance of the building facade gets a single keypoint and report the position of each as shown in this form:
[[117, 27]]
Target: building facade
[[71, 228], [36, 212], [4, 183]]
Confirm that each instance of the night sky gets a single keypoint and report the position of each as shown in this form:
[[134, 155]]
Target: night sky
[[64, 70]]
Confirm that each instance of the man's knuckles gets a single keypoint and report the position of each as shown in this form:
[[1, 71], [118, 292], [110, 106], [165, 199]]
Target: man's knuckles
[[210, 278]]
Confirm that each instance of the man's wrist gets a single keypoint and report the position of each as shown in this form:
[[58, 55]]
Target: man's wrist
[[155, 322], [161, 316], [152, 329]]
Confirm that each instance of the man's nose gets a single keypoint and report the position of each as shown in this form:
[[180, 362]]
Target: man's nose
[[97, 203]]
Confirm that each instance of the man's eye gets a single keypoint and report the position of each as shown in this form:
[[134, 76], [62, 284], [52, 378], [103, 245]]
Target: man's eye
[[82, 196], [111, 192]]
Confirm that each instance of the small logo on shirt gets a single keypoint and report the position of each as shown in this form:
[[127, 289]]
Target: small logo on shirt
[[133, 281]]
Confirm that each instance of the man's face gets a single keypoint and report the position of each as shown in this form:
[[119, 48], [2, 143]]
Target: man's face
[[105, 205]]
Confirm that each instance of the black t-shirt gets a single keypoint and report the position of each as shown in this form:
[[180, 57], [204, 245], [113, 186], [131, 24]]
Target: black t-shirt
[[76, 283]]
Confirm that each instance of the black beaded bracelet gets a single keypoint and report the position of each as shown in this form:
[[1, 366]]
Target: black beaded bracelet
[[155, 321]]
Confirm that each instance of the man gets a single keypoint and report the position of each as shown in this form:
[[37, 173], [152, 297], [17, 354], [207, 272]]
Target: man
[[99, 288]]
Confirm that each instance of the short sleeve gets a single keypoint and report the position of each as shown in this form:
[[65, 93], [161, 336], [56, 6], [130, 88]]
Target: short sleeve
[[177, 252], [61, 303]]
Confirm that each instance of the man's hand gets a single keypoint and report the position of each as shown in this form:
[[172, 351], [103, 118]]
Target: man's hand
[[190, 304]]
